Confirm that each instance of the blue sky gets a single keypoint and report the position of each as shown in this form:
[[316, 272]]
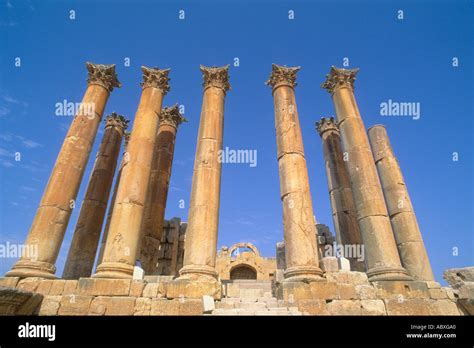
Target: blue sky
[[407, 60]]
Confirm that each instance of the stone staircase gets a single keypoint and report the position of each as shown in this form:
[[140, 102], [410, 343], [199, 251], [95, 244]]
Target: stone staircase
[[251, 297]]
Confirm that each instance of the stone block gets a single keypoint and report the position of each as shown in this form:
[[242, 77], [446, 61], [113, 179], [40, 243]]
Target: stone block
[[57, 287], [103, 287], [433, 285], [466, 305], [29, 284], [105, 305], [450, 293], [401, 289], [74, 305], [31, 306], [70, 287], [467, 290], [365, 292], [136, 288], [208, 304], [312, 307], [438, 294], [163, 306], [193, 289], [343, 264], [443, 307], [154, 290], [355, 278], [142, 306], [50, 305], [191, 307], [330, 264], [9, 282], [373, 307], [344, 307], [44, 287], [347, 292], [416, 306]]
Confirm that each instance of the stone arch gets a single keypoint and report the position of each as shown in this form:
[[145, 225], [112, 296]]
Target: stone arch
[[250, 246], [243, 271]]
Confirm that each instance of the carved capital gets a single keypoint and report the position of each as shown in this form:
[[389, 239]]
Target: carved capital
[[339, 78], [282, 76], [216, 77], [170, 115], [103, 75], [326, 124], [157, 78], [116, 120]]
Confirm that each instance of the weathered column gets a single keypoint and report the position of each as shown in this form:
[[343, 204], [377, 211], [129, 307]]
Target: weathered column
[[201, 236], [126, 137], [404, 224], [52, 217], [340, 193], [298, 219], [155, 204], [382, 259], [121, 247], [82, 251]]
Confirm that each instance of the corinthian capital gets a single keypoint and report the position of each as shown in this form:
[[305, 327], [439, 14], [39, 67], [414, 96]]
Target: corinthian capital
[[157, 78], [326, 124], [339, 78], [103, 75], [216, 77], [116, 120], [282, 76], [170, 115]]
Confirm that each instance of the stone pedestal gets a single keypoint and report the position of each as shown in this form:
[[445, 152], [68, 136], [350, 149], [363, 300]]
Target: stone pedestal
[[340, 193], [382, 259], [201, 236], [126, 137], [154, 215], [86, 237], [52, 216], [123, 238], [404, 224], [302, 262]]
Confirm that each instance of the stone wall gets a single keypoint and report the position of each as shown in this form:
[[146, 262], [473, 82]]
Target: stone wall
[[171, 250]]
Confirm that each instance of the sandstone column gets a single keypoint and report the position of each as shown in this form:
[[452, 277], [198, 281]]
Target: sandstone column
[[405, 226], [382, 259], [126, 137], [52, 217], [86, 236], [298, 220], [123, 237], [340, 193], [155, 204], [201, 236]]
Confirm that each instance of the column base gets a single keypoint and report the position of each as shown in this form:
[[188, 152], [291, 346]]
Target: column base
[[115, 270], [28, 268], [387, 273], [303, 274], [198, 273]]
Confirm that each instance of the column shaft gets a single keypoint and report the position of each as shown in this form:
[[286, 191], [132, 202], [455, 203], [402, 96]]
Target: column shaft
[[120, 252], [405, 226], [298, 218], [201, 235], [154, 215], [340, 193], [382, 259], [52, 217], [86, 236]]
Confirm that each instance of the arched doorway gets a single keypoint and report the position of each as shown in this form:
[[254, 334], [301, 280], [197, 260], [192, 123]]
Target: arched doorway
[[243, 272]]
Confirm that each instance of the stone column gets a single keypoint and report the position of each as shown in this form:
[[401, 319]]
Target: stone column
[[302, 261], [86, 236], [126, 137], [52, 217], [154, 215], [405, 226], [382, 259], [123, 238], [340, 193], [201, 236]]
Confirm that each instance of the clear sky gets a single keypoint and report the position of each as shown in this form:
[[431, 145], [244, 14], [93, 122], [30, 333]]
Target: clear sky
[[408, 60]]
